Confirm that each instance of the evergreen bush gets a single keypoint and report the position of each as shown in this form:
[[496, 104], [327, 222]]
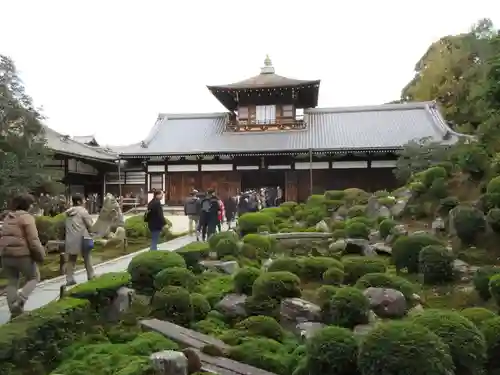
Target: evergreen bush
[[469, 222], [251, 221], [385, 227], [313, 268], [403, 348], [277, 285], [436, 264], [347, 308], [173, 303], [493, 219], [358, 266], [193, 253], [201, 307], [244, 279], [144, 267], [333, 276], [332, 351], [357, 230], [478, 315], [263, 244], [226, 247], [264, 326], [494, 287], [491, 331], [481, 280], [287, 264], [406, 250], [175, 276], [466, 343]]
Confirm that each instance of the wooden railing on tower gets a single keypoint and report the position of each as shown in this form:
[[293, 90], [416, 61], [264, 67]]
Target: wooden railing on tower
[[284, 123]]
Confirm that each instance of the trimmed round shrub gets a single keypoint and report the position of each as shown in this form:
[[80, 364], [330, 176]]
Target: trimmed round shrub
[[481, 280], [335, 195], [436, 264], [277, 285], [493, 219], [494, 287], [333, 276], [478, 315], [358, 210], [385, 227], [193, 253], [491, 331], [251, 221], [403, 348], [356, 229], [493, 186], [339, 233], [432, 174], [261, 305], [332, 351], [262, 243], [244, 279], [135, 227], [469, 222], [312, 268], [406, 250], [264, 326], [216, 237], [201, 307], [447, 204], [325, 293], [386, 201], [144, 267], [173, 303], [358, 266], [175, 276], [347, 308], [226, 247], [384, 280], [465, 341], [287, 264]]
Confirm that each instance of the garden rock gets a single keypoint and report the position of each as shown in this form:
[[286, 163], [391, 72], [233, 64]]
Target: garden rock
[[398, 230], [374, 236], [266, 264], [307, 329], [120, 304], [399, 207], [382, 249], [359, 246], [229, 267], [337, 246], [416, 309], [438, 225], [386, 303], [299, 310], [322, 226], [383, 211], [372, 207], [233, 305], [169, 362], [463, 270]]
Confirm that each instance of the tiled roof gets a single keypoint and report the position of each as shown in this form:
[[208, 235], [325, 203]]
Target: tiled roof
[[85, 139], [388, 126], [68, 146]]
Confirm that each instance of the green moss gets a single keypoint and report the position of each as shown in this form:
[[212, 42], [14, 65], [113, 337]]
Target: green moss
[[215, 287], [106, 284]]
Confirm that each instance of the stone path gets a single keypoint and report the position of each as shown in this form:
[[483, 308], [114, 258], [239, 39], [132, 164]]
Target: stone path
[[48, 290]]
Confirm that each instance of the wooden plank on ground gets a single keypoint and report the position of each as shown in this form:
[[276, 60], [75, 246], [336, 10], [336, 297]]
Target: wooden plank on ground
[[231, 366], [181, 335]]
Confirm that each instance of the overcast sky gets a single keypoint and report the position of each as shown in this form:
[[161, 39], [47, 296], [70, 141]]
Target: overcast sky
[[108, 67]]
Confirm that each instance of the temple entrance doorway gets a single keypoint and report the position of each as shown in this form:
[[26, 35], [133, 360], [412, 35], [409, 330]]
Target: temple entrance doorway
[[254, 180]]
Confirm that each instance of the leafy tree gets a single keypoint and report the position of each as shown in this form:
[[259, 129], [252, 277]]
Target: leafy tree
[[23, 151], [419, 155]]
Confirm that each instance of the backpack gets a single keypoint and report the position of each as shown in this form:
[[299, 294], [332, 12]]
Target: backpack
[[206, 205], [192, 206]]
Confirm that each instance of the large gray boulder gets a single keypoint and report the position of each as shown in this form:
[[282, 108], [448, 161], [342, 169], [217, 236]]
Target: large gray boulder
[[386, 303], [233, 305], [169, 362]]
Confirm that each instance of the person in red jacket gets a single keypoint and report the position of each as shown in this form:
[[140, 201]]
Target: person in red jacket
[[222, 213]]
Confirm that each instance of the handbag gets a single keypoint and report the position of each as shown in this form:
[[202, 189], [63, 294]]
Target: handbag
[[87, 244]]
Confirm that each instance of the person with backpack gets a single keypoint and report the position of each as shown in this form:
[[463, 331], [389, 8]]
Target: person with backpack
[[209, 214], [192, 208], [155, 219]]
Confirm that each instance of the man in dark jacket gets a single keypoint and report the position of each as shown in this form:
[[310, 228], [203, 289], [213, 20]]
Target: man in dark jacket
[[192, 208], [155, 218], [209, 215], [230, 209]]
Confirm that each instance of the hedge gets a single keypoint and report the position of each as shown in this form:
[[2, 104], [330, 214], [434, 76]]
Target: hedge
[[36, 338], [358, 266]]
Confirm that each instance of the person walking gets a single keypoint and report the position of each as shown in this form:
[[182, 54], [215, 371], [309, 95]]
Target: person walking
[[230, 208], [78, 240], [192, 210], [209, 214], [155, 218], [20, 250], [221, 214]]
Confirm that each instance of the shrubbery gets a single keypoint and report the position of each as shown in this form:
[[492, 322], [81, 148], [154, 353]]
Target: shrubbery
[[175, 276], [491, 331], [193, 253], [347, 308], [481, 280], [144, 267], [244, 279], [332, 351], [277, 285], [135, 227], [358, 266], [251, 221], [466, 343], [313, 268], [261, 243], [436, 264], [333, 276], [264, 326], [478, 315], [384, 280], [287, 264], [385, 227], [493, 219], [406, 250], [356, 229], [403, 348], [173, 303], [494, 287], [468, 222], [226, 247]]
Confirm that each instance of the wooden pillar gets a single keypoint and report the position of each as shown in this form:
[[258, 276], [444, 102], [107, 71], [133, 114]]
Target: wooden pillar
[[291, 182]]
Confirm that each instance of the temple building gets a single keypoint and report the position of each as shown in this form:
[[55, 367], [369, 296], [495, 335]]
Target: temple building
[[273, 134]]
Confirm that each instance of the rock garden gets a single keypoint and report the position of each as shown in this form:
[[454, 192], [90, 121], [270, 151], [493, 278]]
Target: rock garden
[[346, 283]]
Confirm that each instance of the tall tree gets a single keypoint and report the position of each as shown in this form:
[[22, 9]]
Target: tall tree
[[23, 151], [451, 71]]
